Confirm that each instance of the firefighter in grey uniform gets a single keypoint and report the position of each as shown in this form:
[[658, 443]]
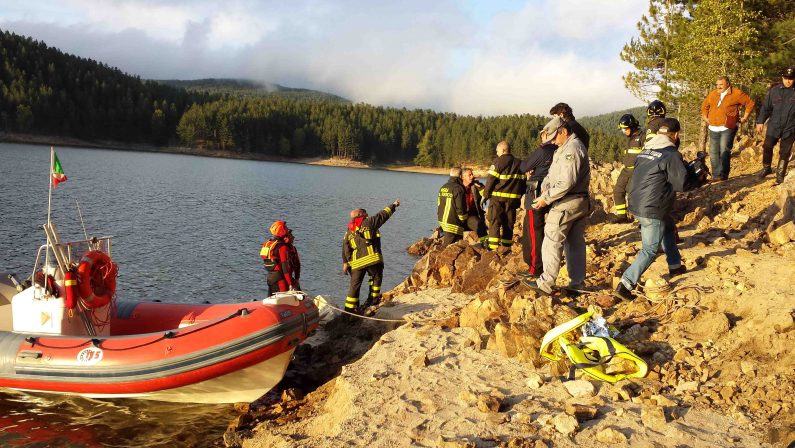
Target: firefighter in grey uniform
[[565, 190], [505, 186]]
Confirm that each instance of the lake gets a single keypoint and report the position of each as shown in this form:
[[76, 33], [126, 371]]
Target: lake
[[187, 229]]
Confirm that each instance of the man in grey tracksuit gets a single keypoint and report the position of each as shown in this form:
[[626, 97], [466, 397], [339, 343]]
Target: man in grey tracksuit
[[565, 190]]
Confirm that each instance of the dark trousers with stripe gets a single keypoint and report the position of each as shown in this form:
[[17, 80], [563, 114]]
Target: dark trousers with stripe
[[376, 273], [502, 216], [532, 237], [620, 191]]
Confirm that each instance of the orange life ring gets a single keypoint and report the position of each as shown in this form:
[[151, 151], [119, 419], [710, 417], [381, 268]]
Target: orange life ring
[[96, 279]]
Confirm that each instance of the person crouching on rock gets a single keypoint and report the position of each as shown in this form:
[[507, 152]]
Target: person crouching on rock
[[361, 254], [536, 166], [476, 216], [276, 255]]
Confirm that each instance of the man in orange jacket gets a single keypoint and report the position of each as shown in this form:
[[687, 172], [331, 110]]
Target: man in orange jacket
[[721, 112]]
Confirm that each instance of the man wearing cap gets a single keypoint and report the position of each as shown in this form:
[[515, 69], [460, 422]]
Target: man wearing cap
[[536, 167], [778, 110], [565, 191], [659, 173], [505, 186], [361, 254], [451, 212], [721, 112], [276, 256]]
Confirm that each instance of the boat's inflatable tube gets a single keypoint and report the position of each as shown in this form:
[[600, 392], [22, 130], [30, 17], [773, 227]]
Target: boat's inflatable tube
[[96, 279]]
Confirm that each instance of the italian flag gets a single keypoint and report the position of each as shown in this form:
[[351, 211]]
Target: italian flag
[[57, 171]]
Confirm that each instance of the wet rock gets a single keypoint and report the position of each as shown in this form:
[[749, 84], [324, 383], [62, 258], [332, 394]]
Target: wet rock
[[611, 436], [580, 388]]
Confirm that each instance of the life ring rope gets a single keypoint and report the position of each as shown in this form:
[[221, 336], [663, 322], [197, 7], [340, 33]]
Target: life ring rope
[[96, 279]]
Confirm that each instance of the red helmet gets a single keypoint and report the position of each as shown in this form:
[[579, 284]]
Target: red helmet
[[279, 228]]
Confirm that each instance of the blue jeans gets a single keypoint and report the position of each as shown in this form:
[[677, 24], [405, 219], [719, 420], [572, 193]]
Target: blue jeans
[[653, 232], [720, 150]]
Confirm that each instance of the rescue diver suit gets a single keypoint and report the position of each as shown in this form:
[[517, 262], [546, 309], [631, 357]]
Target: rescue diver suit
[[361, 252], [276, 254], [505, 185]]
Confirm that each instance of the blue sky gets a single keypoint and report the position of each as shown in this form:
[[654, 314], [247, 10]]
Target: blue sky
[[468, 56]]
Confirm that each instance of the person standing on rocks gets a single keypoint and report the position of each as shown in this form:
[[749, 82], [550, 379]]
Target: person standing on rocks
[[659, 173], [505, 186], [536, 166], [565, 113], [476, 217], [451, 210], [361, 254], [779, 112], [565, 191], [655, 114], [631, 128], [721, 112]]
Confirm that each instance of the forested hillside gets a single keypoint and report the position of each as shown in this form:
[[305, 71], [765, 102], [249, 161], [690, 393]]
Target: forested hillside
[[248, 88], [44, 91]]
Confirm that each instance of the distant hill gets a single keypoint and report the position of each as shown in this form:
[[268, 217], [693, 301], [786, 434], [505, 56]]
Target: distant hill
[[249, 88], [609, 122]]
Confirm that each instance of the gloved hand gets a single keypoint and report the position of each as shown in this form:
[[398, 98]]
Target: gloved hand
[[396, 204], [345, 268]]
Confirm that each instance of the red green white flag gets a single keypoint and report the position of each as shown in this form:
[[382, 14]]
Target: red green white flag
[[58, 175]]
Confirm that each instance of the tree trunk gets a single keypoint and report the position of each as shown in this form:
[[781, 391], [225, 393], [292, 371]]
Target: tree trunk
[[702, 133]]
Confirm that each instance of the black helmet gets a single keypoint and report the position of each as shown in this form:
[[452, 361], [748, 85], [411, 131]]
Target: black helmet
[[788, 72], [628, 121], [656, 109]]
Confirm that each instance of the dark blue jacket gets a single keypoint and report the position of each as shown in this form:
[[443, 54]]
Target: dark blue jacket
[[779, 108], [659, 173]]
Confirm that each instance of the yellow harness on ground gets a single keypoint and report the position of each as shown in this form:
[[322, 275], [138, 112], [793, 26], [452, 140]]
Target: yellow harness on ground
[[591, 353]]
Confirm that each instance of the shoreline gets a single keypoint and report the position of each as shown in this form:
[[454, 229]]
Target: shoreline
[[32, 139]]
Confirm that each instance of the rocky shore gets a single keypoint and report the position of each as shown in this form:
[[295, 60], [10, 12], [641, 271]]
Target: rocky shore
[[460, 367]]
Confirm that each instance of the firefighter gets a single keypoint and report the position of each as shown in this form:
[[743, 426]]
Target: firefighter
[[295, 260], [275, 255], [451, 208], [505, 186], [635, 140], [361, 254], [655, 114]]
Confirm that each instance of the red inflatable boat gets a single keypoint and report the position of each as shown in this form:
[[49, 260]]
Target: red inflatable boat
[[64, 333]]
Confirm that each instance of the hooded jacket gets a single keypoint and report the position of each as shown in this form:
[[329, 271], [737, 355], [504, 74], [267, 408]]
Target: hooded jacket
[[659, 173]]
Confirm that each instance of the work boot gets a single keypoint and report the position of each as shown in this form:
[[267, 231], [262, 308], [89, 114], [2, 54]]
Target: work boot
[[763, 172], [781, 171], [624, 292], [618, 219], [677, 272]]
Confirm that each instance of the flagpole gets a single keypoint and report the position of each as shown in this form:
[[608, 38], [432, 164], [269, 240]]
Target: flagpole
[[49, 195]]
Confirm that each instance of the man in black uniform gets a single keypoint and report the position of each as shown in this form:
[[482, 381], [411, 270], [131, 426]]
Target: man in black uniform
[[536, 166], [564, 112], [505, 186], [655, 114], [361, 253], [779, 108], [451, 211], [631, 128]]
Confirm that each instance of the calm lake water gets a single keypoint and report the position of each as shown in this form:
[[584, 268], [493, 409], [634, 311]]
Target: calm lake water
[[187, 229]]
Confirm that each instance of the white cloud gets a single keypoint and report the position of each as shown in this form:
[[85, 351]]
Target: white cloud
[[437, 55]]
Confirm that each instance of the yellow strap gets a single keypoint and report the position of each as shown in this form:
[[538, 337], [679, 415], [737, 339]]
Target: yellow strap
[[506, 195]]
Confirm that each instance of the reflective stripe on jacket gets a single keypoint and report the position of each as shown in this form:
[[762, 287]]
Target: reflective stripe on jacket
[[505, 180], [362, 248], [634, 147], [451, 210]]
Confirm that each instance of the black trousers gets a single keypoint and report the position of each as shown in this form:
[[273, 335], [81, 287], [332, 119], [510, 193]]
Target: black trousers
[[477, 225], [784, 149], [376, 273], [532, 237], [502, 216], [620, 191]]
